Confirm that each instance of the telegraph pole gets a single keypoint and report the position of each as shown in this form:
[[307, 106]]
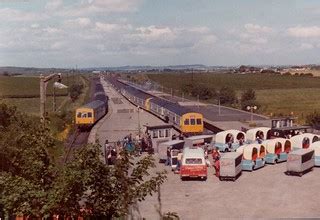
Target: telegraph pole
[[54, 99], [43, 85]]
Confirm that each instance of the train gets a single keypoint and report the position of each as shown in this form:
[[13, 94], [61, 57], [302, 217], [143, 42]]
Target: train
[[87, 115], [188, 122]]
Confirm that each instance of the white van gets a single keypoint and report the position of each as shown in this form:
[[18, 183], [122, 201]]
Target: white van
[[193, 164]]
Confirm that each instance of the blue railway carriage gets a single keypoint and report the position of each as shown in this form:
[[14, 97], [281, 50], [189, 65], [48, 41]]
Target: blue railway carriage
[[89, 114]]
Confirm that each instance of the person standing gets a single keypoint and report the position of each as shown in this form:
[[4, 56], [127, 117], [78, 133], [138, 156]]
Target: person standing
[[168, 161], [179, 161]]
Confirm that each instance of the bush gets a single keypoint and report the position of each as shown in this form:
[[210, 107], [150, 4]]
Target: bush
[[75, 91], [203, 92], [313, 119], [227, 95], [248, 98]]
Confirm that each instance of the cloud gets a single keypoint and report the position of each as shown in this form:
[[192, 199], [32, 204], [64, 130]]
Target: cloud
[[78, 22], [114, 5], [304, 32], [110, 27], [92, 7], [306, 46], [35, 25], [9, 14], [257, 29], [54, 5], [152, 33], [51, 30]]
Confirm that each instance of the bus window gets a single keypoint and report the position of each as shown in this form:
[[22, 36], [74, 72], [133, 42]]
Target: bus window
[[193, 121], [186, 121], [84, 115], [89, 115], [79, 115], [199, 121]]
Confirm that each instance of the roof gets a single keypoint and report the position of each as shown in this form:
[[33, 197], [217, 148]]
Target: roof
[[171, 106], [247, 150], [193, 152], [158, 126], [251, 133], [221, 136], [300, 137], [172, 142], [199, 137], [94, 104], [301, 151], [271, 144], [231, 155], [290, 128]]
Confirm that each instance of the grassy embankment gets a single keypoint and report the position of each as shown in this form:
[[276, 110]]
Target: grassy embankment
[[278, 95]]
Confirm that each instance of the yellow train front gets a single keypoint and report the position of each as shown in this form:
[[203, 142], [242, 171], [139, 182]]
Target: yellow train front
[[89, 114], [191, 123]]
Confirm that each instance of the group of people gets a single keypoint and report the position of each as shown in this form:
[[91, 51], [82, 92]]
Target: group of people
[[110, 153]]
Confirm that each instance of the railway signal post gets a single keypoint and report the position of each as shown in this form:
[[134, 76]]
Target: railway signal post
[[43, 90]]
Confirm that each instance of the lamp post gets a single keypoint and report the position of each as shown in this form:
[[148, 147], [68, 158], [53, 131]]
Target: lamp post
[[251, 108], [219, 106], [139, 121]]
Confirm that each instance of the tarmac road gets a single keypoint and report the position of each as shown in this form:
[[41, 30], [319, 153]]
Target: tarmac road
[[264, 193]]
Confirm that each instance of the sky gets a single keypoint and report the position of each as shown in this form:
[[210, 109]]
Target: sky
[[108, 33]]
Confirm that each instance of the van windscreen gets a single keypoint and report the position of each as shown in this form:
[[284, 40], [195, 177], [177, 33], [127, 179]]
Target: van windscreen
[[194, 161]]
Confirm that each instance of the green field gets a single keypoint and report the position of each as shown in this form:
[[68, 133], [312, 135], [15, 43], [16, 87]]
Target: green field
[[236, 81], [278, 95], [29, 85]]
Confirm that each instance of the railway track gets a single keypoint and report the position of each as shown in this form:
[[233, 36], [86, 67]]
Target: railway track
[[75, 141]]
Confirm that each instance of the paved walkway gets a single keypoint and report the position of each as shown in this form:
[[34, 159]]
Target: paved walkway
[[122, 119]]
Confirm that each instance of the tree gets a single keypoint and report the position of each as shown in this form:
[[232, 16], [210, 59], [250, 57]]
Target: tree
[[33, 185], [114, 188], [26, 171], [313, 119], [227, 95], [75, 91], [248, 98], [187, 88], [202, 91]]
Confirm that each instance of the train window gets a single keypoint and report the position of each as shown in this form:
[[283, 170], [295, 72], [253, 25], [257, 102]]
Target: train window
[[89, 115], [161, 134], [155, 134], [186, 121], [199, 121], [167, 133], [84, 115], [79, 115], [192, 121]]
